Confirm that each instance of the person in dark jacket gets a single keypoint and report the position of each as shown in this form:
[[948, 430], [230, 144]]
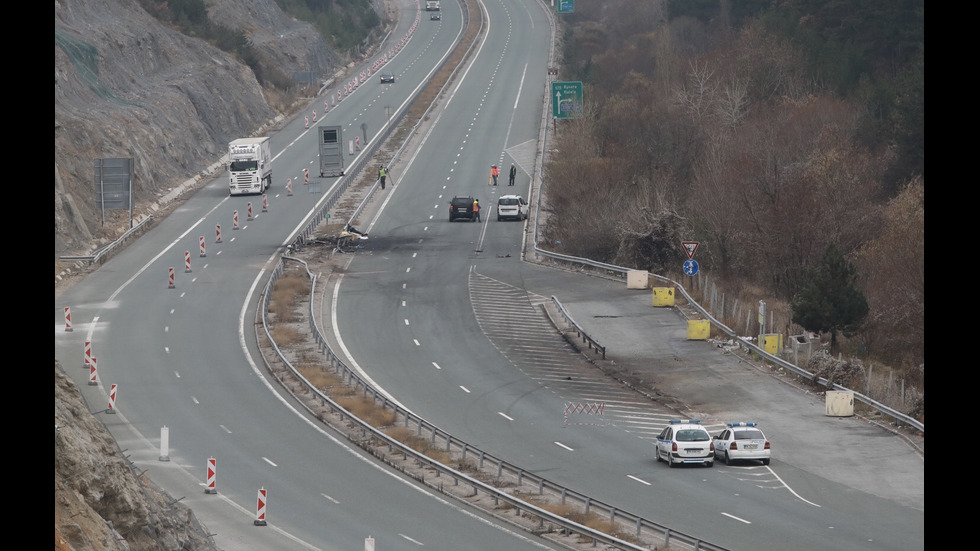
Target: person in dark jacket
[[513, 174]]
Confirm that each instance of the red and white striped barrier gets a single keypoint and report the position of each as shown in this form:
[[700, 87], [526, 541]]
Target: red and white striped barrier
[[68, 328], [306, 176], [234, 217], [249, 211], [307, 122], [357, 142], [201, 239], [212, 465], [88, 353], [93, 378], [265, 203], [217, 233], [112, 399], [289, 187], [314, 115], [187, 262], [326, 106], [339, 97], [260, 508], [172, 277], [587, 408]]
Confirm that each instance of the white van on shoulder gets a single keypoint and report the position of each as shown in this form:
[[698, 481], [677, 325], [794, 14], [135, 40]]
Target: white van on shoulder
[[512, 207]]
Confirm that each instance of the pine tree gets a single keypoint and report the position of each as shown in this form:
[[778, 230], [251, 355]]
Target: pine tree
[[828, 300]]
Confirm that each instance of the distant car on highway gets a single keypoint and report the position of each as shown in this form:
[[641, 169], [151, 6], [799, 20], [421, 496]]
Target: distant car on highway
[[435, 17], [740, 442], [684, 442], [387, 77]]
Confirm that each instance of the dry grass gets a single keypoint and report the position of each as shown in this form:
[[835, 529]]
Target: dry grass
[[418, 443], [366, 410], [285, 335], [574, 514], [319, 377], [289, 292]]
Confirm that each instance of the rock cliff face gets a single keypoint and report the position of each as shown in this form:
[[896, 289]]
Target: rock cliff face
[[99, 501], [128, 86]]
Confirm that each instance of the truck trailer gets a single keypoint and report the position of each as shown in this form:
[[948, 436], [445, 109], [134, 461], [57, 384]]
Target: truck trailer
[[249, 165], [331, 144]]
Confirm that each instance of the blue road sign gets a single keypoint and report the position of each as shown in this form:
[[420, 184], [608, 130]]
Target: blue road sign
[[691, 267], [566, 6]]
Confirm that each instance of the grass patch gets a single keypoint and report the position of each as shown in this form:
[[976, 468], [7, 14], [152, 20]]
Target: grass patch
[[292, 289], [366, 410], [420, 444], [284, 335]]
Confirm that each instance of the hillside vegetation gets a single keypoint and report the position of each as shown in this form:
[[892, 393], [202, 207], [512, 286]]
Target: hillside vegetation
[[768, 132]]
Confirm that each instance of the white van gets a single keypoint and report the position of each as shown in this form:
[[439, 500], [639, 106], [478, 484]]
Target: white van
[[512, 207]]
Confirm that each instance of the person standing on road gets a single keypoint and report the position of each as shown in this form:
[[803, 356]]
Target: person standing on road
[[513, 174], [494, 173], [382, 174], [476, 209]]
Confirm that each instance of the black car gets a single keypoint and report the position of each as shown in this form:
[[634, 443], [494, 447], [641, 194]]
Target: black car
[[387, 77], [435, 17], [461, 208]]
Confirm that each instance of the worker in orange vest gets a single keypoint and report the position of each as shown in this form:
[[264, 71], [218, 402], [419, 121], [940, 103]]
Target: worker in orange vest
[[476, 209], [494, 173]]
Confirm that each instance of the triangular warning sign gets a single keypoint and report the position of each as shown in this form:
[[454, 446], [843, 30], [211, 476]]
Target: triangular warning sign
[[690, 247]]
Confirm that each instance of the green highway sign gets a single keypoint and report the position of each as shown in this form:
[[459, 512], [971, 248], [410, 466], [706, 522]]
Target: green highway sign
[[566, 100], [566, 6]]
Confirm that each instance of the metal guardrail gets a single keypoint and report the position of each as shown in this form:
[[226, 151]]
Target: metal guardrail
[[643, 528], [589, 341], [621, 272], [104, 251]]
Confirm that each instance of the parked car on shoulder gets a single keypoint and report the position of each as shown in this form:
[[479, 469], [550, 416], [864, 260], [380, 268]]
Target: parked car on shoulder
[[742, 442], [511, 207], [685, 442]]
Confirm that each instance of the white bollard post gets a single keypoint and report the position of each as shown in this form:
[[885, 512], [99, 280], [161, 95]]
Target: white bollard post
[[165, 444]]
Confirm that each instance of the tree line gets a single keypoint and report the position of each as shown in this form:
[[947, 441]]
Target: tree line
[[787, 137]]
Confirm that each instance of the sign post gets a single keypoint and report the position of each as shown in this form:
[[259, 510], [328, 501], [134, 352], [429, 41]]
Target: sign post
[[566, 100]]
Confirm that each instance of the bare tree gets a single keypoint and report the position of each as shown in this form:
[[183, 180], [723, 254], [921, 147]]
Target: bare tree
[[697, 95], [733, 103]]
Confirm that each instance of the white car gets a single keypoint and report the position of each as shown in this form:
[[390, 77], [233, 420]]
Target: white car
[[742, 441], [685, 442], [511, 207]]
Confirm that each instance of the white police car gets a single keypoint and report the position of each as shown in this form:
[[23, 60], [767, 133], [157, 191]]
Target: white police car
[[685, 442], [742, 441]]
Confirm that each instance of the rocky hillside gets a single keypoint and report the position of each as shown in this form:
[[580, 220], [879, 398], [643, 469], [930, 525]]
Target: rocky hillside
[[99, 501], [128, 86]]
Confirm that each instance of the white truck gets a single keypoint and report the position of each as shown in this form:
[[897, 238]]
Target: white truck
[[249, 165], [432, 5]]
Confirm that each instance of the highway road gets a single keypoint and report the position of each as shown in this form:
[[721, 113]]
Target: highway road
[[184, 357], [442, 317], [446, 314]]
